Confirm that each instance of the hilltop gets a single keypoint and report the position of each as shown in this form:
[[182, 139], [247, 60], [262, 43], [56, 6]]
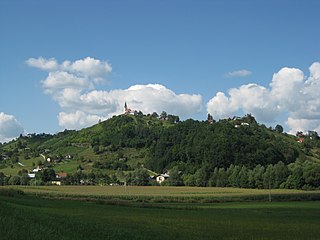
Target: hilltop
[[202, 153]]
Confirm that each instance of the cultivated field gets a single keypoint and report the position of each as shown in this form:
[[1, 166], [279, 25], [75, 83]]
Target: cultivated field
[[154, 191], [169, 194]]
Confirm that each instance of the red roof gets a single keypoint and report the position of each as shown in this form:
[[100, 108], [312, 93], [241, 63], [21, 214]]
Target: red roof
[[62, 175]]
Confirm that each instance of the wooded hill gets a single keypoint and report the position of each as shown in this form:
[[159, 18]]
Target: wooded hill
[[192, 150]]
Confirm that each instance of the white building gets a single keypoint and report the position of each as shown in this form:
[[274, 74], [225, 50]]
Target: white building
[[162, 177]]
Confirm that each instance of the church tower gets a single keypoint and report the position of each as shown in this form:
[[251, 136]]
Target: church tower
[[126, 109]]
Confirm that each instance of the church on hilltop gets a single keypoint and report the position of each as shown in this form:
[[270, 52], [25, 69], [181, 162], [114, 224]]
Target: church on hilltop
[[127, 110]]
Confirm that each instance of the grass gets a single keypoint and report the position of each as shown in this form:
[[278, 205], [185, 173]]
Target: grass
[[67, 166], [31, 217]]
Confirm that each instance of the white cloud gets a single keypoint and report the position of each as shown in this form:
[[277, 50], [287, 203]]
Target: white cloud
[[82, 73], [77, 120], [104, 104], [220, 106], [60, 80], [9, 127], [303, 124], [290, 93], [250, 98], [88, 66], [72, 85], [239, 73], [43, 64]]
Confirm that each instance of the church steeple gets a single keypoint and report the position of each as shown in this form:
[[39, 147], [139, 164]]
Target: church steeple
[[126, 109]]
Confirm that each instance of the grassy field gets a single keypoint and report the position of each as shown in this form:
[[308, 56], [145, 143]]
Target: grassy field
[[155, 190], [32, 217]]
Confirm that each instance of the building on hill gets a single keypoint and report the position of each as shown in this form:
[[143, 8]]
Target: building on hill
[[127, 110]]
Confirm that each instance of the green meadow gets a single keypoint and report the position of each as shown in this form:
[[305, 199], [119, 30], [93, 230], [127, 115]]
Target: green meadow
[[32, 215]]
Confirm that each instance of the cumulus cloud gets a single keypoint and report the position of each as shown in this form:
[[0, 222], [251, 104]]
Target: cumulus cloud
[[82, 73], [77, 120], [239, 73], [72, 86], [60, 80], [290, 93], [43, 64], [9, 127], [104, 104]]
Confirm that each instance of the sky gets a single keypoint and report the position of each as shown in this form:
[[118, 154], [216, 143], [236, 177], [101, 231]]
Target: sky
[[69, 64]]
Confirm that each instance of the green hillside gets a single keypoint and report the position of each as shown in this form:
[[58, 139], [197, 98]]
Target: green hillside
[[199, 153]]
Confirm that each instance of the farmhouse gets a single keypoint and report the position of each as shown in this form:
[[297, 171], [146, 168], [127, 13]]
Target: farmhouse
[[59, 177], [162, 177], [35, 170], [31, 175]]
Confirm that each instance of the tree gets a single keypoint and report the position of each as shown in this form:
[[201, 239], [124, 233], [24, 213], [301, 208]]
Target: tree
[[281, 174], [140, 177], [47, 175], [222, 178], [214, 178], [279, 128], [24, 179], [154, 115], [251, 180], [234, 177], [258, 172], [14, 180], [163, 115], [295, 179], [311, 174], [175, 177], [243, 177], [268, 177], [2, 176], [201, 177]]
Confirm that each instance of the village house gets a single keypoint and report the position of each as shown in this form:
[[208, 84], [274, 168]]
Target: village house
[[162, 177], [36, 170], [31, 175], [59, 177]]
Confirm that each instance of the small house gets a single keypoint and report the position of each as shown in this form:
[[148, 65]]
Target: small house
[[61, 175], [162, 177], [31, 175], [56, 182]]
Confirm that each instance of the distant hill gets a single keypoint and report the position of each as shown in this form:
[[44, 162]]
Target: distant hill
[[126, 143]]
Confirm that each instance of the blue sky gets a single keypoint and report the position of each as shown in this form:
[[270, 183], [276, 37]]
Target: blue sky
[[180, 53]]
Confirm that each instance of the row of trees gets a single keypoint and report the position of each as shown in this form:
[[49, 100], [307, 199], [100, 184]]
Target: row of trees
[[298, 175], [22, 178]]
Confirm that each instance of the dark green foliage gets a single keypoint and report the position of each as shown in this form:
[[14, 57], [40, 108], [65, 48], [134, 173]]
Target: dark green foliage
[[175, 177], [279, 128], [47, 175], [2, 177], [139, 177], [219, 145], [14, 180]]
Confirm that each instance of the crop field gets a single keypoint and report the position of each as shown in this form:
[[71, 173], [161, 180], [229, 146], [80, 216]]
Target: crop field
[[25, 216], [168, 193]]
